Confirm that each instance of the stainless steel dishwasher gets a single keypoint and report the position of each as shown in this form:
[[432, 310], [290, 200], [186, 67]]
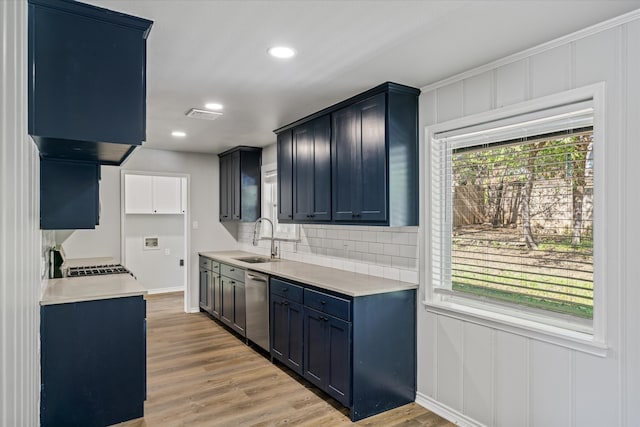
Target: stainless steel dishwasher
[[256, 287]]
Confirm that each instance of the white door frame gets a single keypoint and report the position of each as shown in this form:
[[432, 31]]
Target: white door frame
[[187, 229]]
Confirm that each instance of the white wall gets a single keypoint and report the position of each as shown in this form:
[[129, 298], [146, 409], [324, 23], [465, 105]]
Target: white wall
[[156, 269], [203, 201], [480, 375], [21, 250]]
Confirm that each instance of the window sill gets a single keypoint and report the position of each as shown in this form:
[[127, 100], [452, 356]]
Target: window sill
[[579, 341]]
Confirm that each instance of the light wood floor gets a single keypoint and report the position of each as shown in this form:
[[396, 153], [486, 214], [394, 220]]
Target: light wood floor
[[199, 374]]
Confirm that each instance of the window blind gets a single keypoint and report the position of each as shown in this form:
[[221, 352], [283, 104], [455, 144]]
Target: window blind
[[512, 210]]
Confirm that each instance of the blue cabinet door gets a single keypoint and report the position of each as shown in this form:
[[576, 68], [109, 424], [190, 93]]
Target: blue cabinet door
[[226, 312], [312, 171], [234, 186], [285, 176], [232, 306], [225, 188], [327, 350], [339, 353], [205, 302], [239, 308], [359, 162], [69, 194], [286, 332], [93, 362], [216, 296], [316, 362]]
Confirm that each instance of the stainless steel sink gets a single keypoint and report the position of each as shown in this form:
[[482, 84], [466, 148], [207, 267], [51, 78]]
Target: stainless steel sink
[[254, 259]]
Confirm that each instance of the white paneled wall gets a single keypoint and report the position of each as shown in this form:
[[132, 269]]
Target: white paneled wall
[[21, 253], [482, 376], [378, 251]]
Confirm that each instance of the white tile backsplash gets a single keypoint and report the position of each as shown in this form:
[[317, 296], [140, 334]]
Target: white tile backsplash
[[383, 237], [378, 251]]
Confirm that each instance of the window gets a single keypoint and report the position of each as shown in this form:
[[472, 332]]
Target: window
[[512, 214], [270, 206]]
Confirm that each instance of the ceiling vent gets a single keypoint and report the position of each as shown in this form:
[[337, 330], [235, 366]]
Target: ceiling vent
[[203, 114]]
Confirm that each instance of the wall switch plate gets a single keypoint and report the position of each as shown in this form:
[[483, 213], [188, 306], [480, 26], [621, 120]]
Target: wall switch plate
[[195, 225], [167, 251]]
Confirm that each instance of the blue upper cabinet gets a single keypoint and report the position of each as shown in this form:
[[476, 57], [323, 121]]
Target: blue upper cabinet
[[285, 176], [87, 81], [372, 160], [240, 184], [69, 194], [312, 171], [360, 162]]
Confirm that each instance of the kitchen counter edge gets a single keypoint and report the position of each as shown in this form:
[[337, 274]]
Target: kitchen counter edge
[[93, 288], [332, 279]]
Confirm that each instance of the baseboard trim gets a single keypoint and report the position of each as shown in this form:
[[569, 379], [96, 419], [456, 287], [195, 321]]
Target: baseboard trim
[[446, 412], [165, 290]]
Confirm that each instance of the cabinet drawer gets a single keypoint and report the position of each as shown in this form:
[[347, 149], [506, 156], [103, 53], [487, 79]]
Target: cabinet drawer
[[205, 263], [215, 267], [232, 272], [335, 306], [287, 290]]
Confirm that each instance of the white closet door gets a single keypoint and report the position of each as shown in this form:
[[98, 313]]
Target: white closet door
[[167, 195], [138, 194]]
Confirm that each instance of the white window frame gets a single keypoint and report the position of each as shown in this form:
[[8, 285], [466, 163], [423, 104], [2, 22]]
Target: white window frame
[[265, 232], [534, 323]]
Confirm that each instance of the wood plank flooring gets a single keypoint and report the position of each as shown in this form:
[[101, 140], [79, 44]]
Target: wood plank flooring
[[200, 374]]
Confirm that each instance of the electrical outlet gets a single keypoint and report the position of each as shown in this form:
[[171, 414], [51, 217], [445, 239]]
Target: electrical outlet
[[167, 251]]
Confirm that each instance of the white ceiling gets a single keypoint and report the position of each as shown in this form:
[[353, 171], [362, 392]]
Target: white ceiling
[[215, 51]]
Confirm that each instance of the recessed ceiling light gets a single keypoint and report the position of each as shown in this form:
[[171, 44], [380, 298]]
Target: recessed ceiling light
[[281, 52], [178, 133], [213, 106]]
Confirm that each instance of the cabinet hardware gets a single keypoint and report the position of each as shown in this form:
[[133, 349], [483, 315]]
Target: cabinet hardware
[[285, 303]]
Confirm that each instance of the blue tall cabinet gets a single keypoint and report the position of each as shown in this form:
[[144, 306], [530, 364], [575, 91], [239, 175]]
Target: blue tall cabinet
[[87, 99]]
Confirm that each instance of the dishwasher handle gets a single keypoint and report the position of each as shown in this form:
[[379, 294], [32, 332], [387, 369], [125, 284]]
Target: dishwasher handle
[[257, 278]]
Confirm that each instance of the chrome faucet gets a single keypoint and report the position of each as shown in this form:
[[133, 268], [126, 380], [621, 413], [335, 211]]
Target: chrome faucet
[[274, 250]]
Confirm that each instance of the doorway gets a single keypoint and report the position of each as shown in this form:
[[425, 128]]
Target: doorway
[[154, 231]]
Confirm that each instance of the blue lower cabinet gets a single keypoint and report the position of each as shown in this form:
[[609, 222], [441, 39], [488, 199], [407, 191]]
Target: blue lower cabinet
[[327, 354], [232, 306], [286, 332], [359, 350], [93, 362]]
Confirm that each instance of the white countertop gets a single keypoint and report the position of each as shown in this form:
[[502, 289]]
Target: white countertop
[[90, 288], [344, 282]]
